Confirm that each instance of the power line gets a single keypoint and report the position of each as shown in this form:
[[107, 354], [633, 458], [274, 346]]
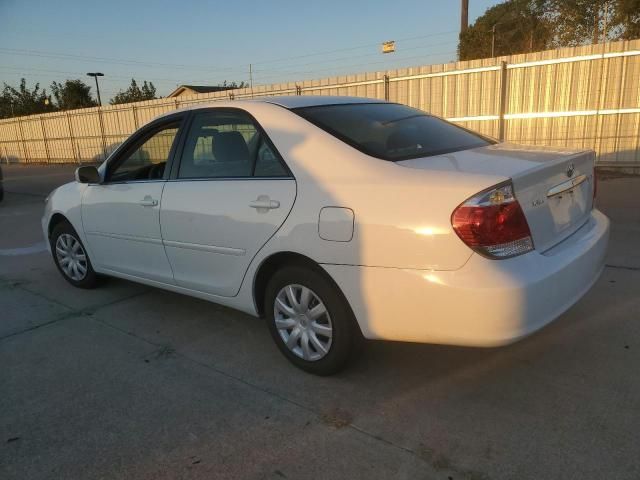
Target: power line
[[280, 73], [237, 68], [397, 59], [351, 57], [273, 72], [353, 48], [277, 72], [154, 79], [85, 58]]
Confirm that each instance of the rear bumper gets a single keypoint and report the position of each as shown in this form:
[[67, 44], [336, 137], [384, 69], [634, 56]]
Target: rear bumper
[[486, 302]]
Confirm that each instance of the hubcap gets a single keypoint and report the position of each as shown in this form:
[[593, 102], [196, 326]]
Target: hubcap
[[71, 257], [303, 322]]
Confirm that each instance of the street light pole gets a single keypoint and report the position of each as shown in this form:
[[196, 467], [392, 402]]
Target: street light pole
[[96, 75]]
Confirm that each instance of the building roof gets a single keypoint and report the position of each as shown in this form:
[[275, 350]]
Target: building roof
[[198, 89]]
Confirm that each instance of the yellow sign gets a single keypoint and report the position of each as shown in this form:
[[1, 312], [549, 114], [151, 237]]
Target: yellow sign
[[389, 47]]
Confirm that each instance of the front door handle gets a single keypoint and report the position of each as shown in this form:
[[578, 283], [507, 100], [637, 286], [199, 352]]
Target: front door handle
[[263, 203], [147, 201]]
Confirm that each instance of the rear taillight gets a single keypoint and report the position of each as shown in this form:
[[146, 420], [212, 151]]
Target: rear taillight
[[493, 224]]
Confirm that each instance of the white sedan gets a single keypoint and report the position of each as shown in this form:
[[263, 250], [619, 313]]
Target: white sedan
[[338, 218]]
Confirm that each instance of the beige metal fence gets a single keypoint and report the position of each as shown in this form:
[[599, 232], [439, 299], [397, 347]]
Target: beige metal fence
[[585, 97]]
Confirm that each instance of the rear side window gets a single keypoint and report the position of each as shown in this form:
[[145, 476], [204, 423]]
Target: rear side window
[[391, 131], [227, 144]]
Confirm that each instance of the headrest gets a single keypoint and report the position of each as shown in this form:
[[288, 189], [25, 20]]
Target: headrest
[[230, 147]]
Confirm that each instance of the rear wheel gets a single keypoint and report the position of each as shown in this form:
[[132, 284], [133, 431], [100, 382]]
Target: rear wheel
[[71, 257], [310, 321]]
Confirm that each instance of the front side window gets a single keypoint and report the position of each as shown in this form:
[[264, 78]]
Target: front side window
[[391, 131], [227, 144], [147, 161]]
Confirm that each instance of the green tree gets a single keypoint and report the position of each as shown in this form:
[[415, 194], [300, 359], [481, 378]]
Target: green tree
[[15, 102], [135, 93], [627, 14], [72, 94], [528, 25], [520, 26], [580, 22]]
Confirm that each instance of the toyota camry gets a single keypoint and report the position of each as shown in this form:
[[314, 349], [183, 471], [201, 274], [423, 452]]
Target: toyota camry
[[338, 219]]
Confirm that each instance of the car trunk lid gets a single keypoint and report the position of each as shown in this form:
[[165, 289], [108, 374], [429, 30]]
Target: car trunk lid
[[553, 185]]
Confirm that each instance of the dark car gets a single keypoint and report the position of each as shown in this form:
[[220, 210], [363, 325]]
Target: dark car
[[1, 186]]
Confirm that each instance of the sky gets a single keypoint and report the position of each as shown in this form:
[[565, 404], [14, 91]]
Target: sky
[[206, 42]]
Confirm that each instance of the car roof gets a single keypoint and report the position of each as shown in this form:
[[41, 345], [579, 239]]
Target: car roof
[[289, 102], [299, 101]]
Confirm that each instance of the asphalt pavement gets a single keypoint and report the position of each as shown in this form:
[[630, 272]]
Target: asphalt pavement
[[128, 381]]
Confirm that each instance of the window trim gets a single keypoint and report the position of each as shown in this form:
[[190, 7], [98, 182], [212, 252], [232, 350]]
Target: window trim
[[288, 175], [137, 139], [359, 147]]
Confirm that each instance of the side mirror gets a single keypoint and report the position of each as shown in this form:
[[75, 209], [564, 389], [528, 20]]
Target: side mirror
[[88, 174]]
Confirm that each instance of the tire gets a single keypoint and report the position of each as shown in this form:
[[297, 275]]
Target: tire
[[65, 239], [323, 354]]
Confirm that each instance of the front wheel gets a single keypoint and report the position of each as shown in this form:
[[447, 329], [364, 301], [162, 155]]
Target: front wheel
[[310, 321], [71, 257]]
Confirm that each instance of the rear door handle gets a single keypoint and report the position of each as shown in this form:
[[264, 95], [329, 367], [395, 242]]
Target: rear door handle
[[263, 202], [148, 202]]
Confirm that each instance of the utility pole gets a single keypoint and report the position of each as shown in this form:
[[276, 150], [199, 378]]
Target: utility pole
[[493, 41], [464, 15]]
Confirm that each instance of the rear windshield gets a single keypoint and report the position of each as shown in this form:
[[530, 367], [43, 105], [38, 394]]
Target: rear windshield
[[391, 131]]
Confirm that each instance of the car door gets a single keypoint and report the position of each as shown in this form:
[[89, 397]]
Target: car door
[[121, 216], [228, 195]]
